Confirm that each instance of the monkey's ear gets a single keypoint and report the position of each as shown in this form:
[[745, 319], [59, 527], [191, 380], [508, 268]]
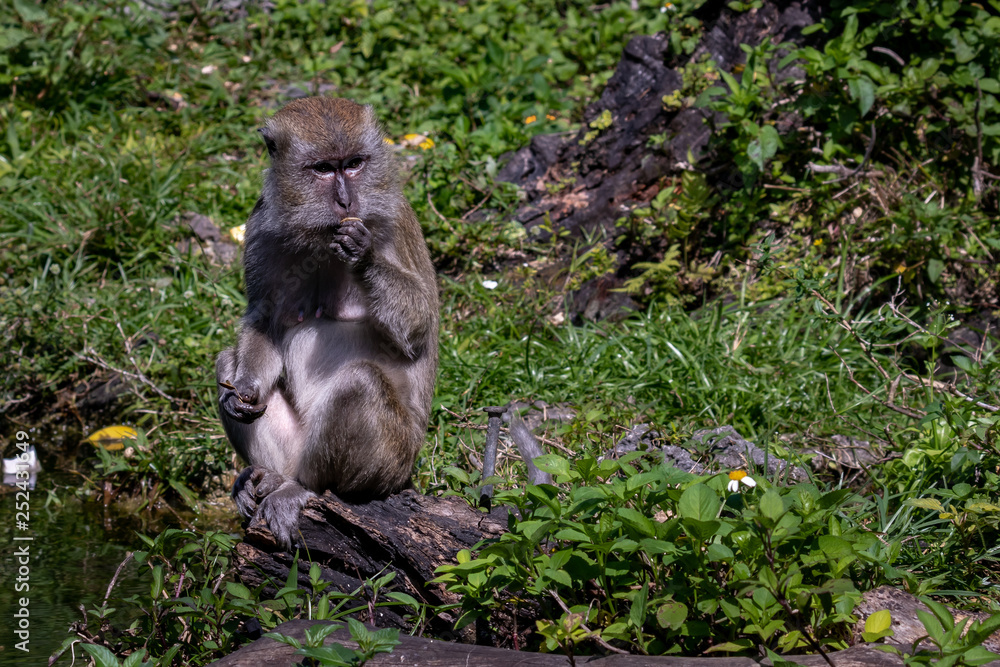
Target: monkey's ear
[[272, 147]]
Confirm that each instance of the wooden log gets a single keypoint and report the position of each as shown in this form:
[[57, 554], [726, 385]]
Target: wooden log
[[421, 652], [408, 533]]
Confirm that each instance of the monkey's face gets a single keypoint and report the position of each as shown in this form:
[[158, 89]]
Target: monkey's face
[[328, 162]]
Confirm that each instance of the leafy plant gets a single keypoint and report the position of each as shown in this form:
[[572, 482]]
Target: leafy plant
[[640, 556], [337, 655], [954, 642]]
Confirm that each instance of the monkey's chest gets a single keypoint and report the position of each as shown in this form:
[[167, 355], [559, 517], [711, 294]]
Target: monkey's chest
[[321, 348], [330, 295]]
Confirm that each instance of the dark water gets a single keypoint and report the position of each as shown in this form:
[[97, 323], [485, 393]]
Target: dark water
[[75, 550]]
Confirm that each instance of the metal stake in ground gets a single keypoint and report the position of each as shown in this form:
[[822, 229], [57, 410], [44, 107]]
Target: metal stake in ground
[[490, 454]]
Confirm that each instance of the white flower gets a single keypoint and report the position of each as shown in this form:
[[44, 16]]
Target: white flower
[[208, 69], [490, 284], [739, 476]]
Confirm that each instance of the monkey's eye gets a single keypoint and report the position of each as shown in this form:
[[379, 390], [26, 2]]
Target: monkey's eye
[[323, 168], [354, 165]]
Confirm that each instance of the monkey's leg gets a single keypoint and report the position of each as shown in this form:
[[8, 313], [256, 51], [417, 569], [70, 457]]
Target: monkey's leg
[[362, 439], [273, 446]]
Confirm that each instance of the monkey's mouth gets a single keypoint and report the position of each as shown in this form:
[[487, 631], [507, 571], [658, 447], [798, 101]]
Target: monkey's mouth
[[343, 220]]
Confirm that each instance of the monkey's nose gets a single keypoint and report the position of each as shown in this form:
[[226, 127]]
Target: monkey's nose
[[342, 199]]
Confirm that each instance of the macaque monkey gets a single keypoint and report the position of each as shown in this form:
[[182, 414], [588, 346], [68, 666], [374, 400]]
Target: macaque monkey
[[330, 383]]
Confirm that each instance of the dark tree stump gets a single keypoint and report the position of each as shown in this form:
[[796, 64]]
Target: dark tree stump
[[584, 185], [617, 166], [407, 533]]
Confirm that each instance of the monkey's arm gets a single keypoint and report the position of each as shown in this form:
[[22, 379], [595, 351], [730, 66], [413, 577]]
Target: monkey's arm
[[403, 305], [399, 277], [247, 373]]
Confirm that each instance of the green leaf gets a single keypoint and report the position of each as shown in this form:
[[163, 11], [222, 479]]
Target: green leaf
[[977, 655], [637, 521], [157, 588], [925, 503], [880, 621], [769, 142], [932, 625], [756, 154], [718, 553], [701, 530], [136, 657], [189, 498], [101, 655], [863, 90], [835, 547], [990, 85], [334, 655], [238, 590], [934, 269], [699, 502], [980, 630], [316, 633], [737, 646], [553, 464], [637, 612], [672, 615], [655, 547], [11, 37], [30, 11], [771, 505]]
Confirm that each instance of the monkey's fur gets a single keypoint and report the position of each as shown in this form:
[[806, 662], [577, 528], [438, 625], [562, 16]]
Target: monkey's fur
[[331, 380]]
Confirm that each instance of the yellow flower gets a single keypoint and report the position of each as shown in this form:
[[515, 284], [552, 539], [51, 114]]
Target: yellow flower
[[238, 233], [737, 477], [818, 242], [901, 267], [415, 140], [389, 141], [549, 116], [530, 119]]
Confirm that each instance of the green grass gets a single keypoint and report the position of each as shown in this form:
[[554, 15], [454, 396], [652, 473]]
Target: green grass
[[116, 121]]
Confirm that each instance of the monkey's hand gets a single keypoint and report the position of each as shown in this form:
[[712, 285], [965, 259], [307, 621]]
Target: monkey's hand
[[240, 401], [352, 241]]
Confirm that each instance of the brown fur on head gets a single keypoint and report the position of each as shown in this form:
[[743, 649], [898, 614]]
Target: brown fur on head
[[313, 143]]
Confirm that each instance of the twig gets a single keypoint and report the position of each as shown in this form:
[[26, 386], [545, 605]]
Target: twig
[[977, 164], [841, 169], [951, 389], [842, 321], [889, 52], [597, 638], [475, 208], [135, 376], [891, 406], [434, 208], [114, 579]]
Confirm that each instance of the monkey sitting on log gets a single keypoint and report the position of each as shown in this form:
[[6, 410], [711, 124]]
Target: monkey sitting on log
[[330, 383]]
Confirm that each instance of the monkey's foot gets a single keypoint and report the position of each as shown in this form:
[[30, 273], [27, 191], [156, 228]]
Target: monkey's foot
[[281, 511], [269, 495], [253, 485]]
